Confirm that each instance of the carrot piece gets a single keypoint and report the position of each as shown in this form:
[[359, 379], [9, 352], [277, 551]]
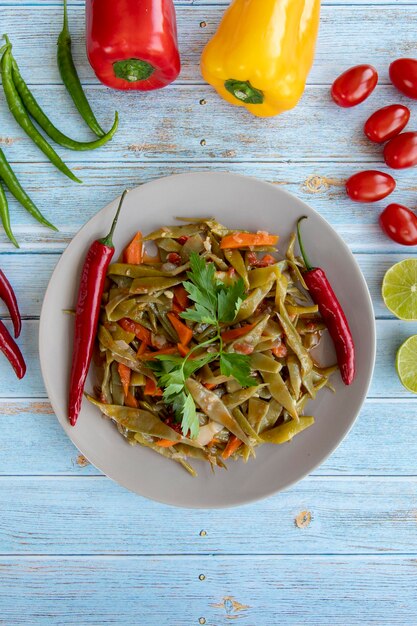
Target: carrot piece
[[151, 389], [232, 445], [125, 374], [133, 253], [244, 240], [142, 348], [183, 350], [140, 331], [131, 401], [149, 356], [181, 296], [210, 386], [166, 443], [184, 333], [235, 333]]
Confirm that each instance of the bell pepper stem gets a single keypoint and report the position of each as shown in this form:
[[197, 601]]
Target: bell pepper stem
[[300, 243], [133, 70], [108, 240], [244, 91]]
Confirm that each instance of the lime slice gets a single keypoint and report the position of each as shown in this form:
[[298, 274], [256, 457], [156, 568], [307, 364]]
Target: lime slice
[[406, 364], [399, 289]]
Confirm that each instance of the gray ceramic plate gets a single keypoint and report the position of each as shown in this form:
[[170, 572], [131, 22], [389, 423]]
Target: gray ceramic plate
[[238, 202]]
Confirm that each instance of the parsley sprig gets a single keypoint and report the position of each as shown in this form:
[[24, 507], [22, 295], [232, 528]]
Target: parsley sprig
[[214, 304]]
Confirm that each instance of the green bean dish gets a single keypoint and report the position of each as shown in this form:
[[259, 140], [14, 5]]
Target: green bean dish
[[205, 343]]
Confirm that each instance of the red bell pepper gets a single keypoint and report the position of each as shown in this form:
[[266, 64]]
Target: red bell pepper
[[132, 44]]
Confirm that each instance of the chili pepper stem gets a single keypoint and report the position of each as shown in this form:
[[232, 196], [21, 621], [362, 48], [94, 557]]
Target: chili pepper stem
[[65, 24], [300, 243], [108, 240]]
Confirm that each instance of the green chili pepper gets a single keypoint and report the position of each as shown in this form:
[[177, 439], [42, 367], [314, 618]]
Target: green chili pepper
[[39, 116], [13, 185], [22, 118], [5, 217], [71, 80]]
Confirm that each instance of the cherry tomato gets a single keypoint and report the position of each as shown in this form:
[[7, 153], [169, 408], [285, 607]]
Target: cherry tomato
[[400, 224], [403, 75], [401, 151], [369, 186], [354, 86], [387, 122]]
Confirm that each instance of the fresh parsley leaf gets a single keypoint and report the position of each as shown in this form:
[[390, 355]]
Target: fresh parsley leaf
[[199, 314], [202, 275], [190, 417], [229, 300], [238, 366]]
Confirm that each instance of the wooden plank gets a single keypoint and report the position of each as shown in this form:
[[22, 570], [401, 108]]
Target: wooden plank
[[183, 591], [214, 132], [30, 288], [92, 515], [390, 335], [30, 427], [321, 185], [37, 27]]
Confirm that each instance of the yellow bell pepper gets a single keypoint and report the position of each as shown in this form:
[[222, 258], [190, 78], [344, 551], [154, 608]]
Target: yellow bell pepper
[[262, 52]]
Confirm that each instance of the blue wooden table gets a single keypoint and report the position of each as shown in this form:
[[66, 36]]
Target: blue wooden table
[[340, 548]]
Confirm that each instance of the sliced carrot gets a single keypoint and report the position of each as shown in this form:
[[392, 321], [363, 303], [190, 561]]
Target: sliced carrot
[[184, 333], [142, 348], [232, 445], [244, 240], [133, 253], [183, 350], [210, 386], [235, 333], [181, 296], [149, 356], [125, 374], [166, 443], [280, 351], [151, 388], [131, 401], [140, 331]]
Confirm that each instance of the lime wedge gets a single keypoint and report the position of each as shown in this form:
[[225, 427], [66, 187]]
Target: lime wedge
[[406, 364], [399, 289]]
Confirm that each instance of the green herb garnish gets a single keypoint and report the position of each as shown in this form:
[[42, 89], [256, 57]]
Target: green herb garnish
[[214, 304]]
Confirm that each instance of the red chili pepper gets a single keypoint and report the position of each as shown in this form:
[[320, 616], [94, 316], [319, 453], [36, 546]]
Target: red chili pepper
[[132, 44], [86, 316], [8, 296], [11, 351], [332, 313]]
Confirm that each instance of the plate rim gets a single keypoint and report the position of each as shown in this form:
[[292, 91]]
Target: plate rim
[[372, 353]]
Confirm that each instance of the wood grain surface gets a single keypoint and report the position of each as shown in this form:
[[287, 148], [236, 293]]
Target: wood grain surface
[[339, 548]]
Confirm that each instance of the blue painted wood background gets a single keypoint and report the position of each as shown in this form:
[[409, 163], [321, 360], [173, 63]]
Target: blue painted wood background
[[340, 548]]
